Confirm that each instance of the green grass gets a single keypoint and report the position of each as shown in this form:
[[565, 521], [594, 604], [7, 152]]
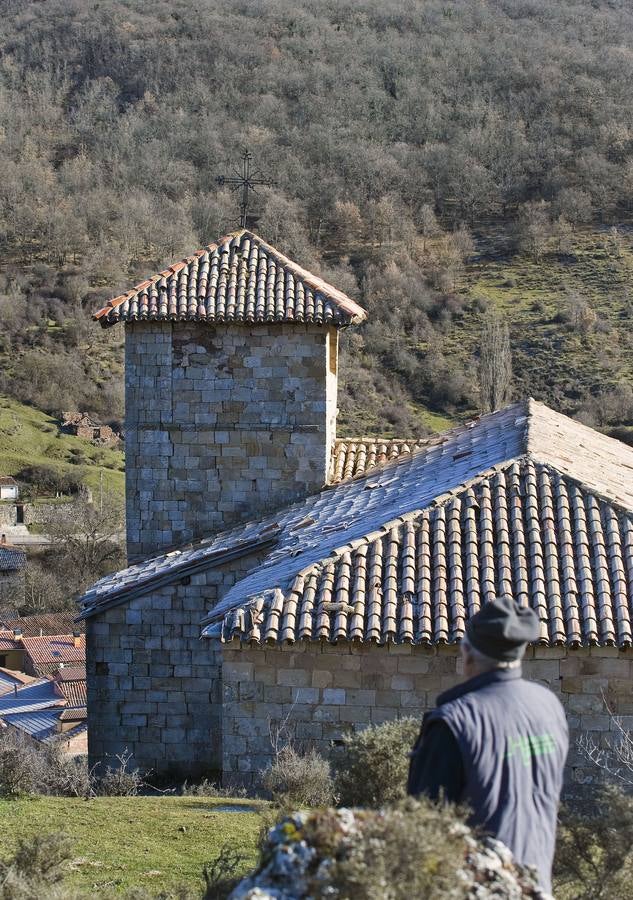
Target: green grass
[[31, 437], [552, 360], [118, 843]]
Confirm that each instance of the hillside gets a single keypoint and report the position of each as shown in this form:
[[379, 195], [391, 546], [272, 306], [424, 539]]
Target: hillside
[[29, 437], [435, 160]]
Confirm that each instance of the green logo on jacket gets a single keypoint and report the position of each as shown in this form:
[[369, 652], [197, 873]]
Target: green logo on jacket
[[531, 745]]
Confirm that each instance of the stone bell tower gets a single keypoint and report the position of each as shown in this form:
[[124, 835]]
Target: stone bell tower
[[230, 389]]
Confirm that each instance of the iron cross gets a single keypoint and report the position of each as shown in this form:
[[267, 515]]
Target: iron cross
[[246, 180]]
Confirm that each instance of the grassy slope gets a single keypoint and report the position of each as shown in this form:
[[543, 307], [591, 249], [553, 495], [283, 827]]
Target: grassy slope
[[119, 841], [553, 361], [31, 437]]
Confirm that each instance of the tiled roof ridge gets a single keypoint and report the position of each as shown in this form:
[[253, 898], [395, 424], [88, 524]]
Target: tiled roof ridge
[[348, 307], [165, 273]]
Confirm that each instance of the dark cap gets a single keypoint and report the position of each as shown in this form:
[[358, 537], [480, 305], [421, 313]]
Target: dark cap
[[502, 628]]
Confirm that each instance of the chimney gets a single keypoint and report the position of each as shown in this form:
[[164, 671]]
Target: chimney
[[3, 539], [17, 634], [231, 402], [77, 638]]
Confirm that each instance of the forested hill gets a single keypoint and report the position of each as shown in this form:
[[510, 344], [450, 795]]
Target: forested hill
[[436, 159]]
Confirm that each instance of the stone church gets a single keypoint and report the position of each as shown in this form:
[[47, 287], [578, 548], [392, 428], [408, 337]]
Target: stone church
[[277, 573]]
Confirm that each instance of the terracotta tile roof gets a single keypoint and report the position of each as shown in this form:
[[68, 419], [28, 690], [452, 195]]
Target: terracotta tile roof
[[7, 641], [73, 714], [74, 692], [54, 649], [239, 278], [11, 558], [7, 480], [44, 624], [355, 513], [356, 456], [525, 530], [71, 673]]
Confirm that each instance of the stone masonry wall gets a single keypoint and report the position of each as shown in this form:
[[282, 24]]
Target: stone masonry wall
[[153, 684], [8, 513], [327, 690], [222, 423]]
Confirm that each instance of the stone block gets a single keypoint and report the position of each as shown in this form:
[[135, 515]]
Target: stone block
[[355, 714], [402, 682], [294, 677], [334, 696]]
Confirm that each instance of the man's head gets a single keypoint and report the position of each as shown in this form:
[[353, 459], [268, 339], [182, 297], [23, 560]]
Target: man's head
[[496, 636]]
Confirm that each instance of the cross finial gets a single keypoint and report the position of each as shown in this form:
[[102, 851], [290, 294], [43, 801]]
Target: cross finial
[[246, 180]]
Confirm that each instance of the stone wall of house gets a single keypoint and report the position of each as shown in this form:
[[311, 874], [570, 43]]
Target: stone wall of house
[[153, 685], [42, 512], [222, 423], [8, 514], [324, 691]]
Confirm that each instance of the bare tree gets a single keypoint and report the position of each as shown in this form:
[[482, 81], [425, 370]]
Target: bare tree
[[615, 759], [495, 363], [88, 544]]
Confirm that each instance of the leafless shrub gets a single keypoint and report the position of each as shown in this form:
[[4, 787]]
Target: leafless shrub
[[221, 876], [36, 869], [299, 779], [296, 779], [615, 759], [119, 780], [208, 788]]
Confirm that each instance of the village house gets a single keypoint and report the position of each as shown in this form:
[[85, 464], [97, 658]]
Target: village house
[[9, 488], [330, 580], [82, 425], [45, 654], [48, 710]]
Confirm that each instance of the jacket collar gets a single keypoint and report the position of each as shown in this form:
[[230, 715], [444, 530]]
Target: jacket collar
[[497, 676]]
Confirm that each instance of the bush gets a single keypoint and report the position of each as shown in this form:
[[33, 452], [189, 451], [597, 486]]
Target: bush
[[26, 768], [36, 869], [19, 768], [373, 766], [594, 854], [299, 780], [415, 850], [119, 780], [208, 788]]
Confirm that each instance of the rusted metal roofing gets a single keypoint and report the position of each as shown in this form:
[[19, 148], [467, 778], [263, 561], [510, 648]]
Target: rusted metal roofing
[[240, 279], [54, 649], [525, 530]]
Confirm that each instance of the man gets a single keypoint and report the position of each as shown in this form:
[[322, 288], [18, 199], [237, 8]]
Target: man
[[497, 743]]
